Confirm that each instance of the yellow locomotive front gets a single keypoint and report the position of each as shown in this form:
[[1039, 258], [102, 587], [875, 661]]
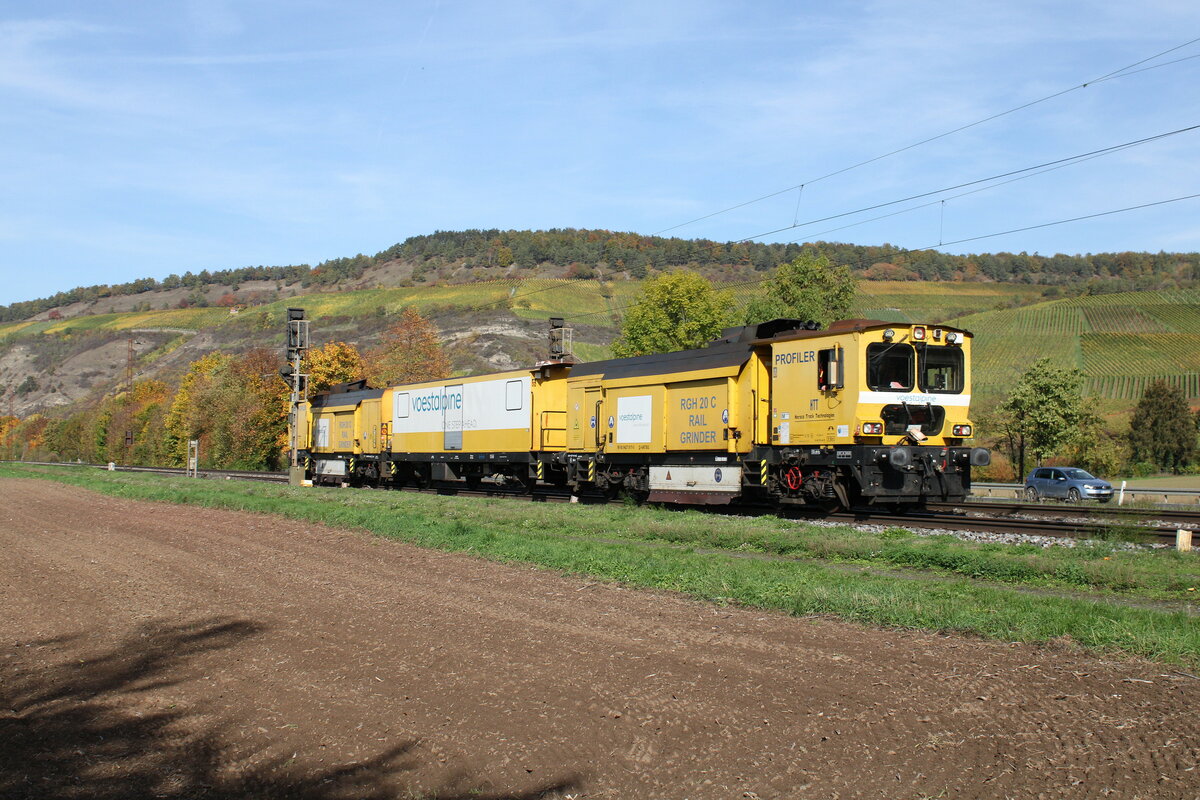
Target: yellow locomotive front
[[869, 411]]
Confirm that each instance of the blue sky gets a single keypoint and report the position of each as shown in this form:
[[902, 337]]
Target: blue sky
[[144, 138]]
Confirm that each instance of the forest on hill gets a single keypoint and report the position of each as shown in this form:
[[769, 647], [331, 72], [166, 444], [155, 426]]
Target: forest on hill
[[583, 252]]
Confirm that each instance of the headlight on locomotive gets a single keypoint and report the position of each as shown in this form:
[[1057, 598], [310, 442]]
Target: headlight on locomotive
[[963, 431], [872, 428]]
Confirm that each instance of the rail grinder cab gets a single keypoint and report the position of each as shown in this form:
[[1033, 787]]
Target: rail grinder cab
[[343, 433], [869, 411]]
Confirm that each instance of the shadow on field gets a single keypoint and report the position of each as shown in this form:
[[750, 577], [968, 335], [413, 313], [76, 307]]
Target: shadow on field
[[69, 730]]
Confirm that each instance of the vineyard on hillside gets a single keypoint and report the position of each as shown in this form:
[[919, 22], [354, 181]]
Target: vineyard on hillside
[[1121, 342]]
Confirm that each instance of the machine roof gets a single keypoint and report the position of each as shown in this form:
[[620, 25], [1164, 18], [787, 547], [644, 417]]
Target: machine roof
[[715, 356], [344, 398]]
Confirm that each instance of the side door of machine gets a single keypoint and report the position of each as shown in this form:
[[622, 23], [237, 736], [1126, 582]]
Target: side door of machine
[[452, 418], [593, 402]]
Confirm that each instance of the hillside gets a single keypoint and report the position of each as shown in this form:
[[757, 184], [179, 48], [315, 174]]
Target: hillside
[[487, 325], [1121, 342], [492, 311], [450, 257]]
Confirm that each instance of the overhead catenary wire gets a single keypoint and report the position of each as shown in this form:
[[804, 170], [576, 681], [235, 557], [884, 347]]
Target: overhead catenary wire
[[1064, 221], [1123, 72], [999, 176], [910, 209]]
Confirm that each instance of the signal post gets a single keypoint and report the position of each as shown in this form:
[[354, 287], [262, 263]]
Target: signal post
[[297, 343]]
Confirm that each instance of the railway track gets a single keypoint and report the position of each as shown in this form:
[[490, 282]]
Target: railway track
[[957, 517], [1165, 515], [1153, 526]]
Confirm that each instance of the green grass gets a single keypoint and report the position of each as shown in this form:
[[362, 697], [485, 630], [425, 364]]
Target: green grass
[[1101, 597], [1166, 482]]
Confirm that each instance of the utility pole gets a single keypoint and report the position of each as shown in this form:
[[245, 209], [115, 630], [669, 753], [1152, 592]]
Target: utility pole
[[129, 401], [297, 343]]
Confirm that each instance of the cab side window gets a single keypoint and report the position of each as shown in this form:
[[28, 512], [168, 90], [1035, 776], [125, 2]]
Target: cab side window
[[829, 369]]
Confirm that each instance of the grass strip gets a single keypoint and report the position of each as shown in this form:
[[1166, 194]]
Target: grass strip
[[587, 540]]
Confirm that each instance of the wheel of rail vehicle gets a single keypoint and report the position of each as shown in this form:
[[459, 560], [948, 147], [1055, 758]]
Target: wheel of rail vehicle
[[1031, 494], [1074, 497]]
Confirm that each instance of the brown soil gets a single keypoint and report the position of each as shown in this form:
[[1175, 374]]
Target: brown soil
[[160, 651]]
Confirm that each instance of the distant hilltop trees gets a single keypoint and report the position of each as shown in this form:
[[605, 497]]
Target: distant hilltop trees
[[584, 252]]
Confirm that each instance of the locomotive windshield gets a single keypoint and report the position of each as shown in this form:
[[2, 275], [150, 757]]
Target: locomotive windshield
[[940, 370], [890, 367]]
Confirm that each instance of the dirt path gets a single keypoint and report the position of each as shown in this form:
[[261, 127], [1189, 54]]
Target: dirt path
[[160, 651]]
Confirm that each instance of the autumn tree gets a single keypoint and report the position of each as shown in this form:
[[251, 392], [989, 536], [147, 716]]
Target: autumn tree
[[246, 407], [675, 311], [186, 418], [1162, 430], [1043, 412], [331, 364], [410, 352], [809, 287]]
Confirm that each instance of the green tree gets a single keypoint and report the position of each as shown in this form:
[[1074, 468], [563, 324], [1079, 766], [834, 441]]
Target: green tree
[[1161, 430], [809, 287], [1043, 413], [675, 311], [1096, 449], [409, 352]]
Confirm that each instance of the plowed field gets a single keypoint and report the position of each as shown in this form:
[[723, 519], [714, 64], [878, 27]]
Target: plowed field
[[152, 650]]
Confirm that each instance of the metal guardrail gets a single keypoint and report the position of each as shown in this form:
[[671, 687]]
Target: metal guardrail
[[1122, 493]]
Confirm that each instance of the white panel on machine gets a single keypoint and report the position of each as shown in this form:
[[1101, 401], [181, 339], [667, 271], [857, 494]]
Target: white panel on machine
[[326, 466], [696, 479], [634, 419], [483, 406]]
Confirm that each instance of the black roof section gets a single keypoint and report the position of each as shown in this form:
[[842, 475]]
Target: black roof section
[[731, 350], [345, 394]]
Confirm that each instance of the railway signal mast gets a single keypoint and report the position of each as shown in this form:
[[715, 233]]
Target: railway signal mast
[[297, 343]]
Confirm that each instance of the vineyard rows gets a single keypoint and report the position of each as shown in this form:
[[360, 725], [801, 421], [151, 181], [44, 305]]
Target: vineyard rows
[[1132, 387], [1144, 354]]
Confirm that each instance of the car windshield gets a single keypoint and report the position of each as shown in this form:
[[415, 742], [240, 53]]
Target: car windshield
[[1079, 475]]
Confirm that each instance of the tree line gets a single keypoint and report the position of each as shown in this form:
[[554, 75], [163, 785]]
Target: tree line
[[235, 405], [586, 251]]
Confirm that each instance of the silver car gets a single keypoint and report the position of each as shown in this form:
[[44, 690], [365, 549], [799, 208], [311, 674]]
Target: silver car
[[1068, 483]]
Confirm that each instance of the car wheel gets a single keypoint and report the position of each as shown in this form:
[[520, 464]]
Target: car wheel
[[1073, 496], [1031, 494]]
